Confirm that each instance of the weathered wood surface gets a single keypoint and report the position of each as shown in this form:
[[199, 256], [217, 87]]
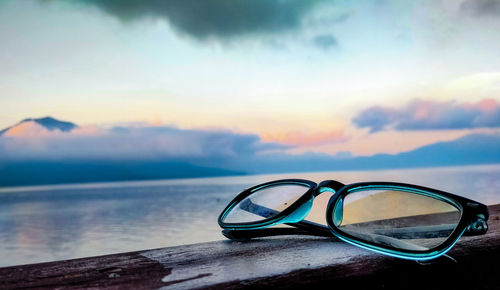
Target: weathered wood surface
[[286, 262]]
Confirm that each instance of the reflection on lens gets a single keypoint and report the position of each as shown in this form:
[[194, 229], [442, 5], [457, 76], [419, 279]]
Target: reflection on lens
[[397, 219], [265, 203]]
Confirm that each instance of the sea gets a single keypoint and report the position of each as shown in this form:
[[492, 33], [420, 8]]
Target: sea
[[56, 222]]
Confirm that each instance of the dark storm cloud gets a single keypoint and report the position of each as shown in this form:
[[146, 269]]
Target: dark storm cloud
[[325, 41], [431, 115], [481, 7], [209, 19]]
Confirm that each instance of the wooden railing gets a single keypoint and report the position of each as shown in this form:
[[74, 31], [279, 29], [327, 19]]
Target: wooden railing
[[273, 263]]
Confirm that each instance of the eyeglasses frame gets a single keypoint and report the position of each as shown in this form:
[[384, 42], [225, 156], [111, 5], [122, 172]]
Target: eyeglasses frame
[[472, 221]]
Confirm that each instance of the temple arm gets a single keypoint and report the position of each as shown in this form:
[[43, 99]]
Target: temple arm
[[267, 232], [426, 232], [299, 228]]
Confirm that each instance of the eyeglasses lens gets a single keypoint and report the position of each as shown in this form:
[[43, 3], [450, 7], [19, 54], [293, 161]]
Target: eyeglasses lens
[[265, 202], [397, 219]]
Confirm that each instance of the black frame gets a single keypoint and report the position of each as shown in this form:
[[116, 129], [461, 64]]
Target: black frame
[[472, 221], [258, 228]]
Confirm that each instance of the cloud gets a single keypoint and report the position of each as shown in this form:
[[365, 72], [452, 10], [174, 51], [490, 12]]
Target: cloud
[[431, 115], [481, 8], [375, 118], [215, 19], [325, 41], [130, 143], [27, 129]]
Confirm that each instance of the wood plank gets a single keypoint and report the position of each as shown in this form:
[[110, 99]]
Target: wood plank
[[280, 262]]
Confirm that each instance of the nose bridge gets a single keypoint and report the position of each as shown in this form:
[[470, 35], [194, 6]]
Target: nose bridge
[[328, 185]]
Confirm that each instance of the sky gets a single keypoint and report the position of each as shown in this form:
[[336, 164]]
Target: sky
[[339, 77]]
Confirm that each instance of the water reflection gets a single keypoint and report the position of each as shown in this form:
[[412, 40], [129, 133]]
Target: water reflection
[[51, 225], [61, 222]]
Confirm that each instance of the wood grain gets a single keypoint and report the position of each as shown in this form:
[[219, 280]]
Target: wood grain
[[277, 263]]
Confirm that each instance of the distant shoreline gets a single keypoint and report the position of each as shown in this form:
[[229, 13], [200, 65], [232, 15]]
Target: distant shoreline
[[164, 181]]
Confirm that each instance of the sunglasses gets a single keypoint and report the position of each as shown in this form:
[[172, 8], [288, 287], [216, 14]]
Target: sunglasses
[[396, 219]]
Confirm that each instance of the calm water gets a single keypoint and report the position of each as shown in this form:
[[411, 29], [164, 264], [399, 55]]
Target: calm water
[[48, 223]]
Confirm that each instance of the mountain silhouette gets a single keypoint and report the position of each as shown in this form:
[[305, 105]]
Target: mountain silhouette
[[43, 169], [468, 150], [48, 123]]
